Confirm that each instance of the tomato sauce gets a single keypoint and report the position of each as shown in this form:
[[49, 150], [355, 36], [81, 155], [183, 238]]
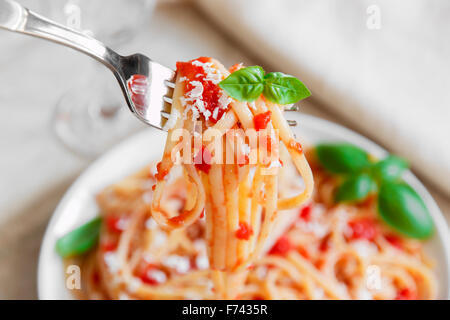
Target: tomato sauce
[[295, 145], [108, 246], [161, 172], [305, 213], [406, 294], [363, 228], [244, 232], [211, 92], [281, 247], [112, 222], [202, 160], [262, 120]]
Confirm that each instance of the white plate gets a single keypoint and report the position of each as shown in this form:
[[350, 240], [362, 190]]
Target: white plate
[[78, 205]]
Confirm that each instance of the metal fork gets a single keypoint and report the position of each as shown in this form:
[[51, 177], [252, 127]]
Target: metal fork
[[146, 85]]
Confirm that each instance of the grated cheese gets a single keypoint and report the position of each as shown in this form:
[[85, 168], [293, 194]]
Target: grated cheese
[[179, 263], [112, 262]]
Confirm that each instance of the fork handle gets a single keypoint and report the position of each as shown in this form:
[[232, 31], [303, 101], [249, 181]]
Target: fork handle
[[15, 17]]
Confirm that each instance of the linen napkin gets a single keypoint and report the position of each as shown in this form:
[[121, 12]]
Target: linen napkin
[[383, 65]]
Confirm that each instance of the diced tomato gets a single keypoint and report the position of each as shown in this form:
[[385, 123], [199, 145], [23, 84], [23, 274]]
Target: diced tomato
[[108, 246], [244, 232], [305, 213], [303, 252], [202, 215], [363, 228], [202, 160], [112, 222], [281, 247], [189, 70], [394, 240], [146, 277], [262, 120], [211, 91], [406, 294], [324, 243], [258, 297], [153, 187]]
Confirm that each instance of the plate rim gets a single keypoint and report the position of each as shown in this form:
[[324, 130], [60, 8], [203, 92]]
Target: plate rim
[[441, 226]]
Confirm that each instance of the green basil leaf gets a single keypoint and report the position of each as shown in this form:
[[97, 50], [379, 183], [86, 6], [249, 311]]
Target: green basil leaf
[[246, 84], [389, 169], [281, 88], [342, 157], [403, 209], [79, 240], [355, 188]]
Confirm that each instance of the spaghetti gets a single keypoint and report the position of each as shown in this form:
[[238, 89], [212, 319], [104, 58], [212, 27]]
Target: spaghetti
[[327, 252], [239, 217], [205, 224]]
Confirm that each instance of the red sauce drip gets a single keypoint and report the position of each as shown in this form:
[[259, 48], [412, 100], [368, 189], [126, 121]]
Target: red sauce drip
[[363, 228], [305, 213], [112, 224], [211, 91], [281, 247], [202, 160], [262, 120], [160, 172], [295, 145], [244, 232], [406, 294]]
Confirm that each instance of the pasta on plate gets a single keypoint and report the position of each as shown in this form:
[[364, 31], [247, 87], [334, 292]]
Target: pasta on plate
[[231, 211]]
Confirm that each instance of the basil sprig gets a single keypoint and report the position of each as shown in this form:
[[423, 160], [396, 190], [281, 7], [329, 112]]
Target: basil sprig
[[399, 205], [247, 84], [355, 188], [80, 240], [342, 157]]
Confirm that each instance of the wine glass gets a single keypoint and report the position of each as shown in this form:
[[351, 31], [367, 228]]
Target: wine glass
[[91, 117]]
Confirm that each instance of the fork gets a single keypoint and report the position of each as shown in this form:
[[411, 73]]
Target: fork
[[146, 85]]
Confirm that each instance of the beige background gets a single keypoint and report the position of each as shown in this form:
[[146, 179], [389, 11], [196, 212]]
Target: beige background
[[35, 170]]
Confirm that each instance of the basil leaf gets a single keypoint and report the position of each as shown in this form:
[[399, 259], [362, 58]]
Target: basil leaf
[[79, 240], [355, 189], [281, 88], [403, 209], [246, 84], [389, 169], [342, 157]]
